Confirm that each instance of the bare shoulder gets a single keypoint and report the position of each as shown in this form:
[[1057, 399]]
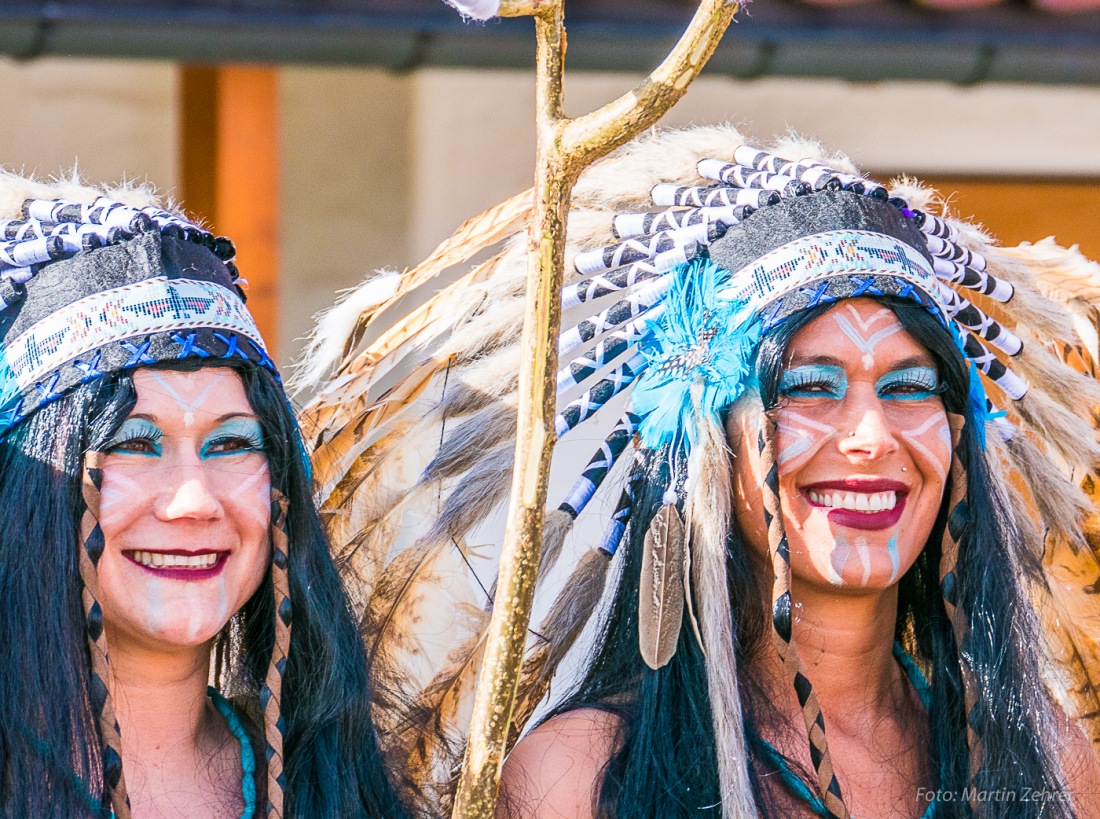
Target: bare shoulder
[[1081, 765], [555, 770]]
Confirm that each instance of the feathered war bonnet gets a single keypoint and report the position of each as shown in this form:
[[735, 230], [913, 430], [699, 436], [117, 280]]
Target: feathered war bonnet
[[684, 248], [96, 282]]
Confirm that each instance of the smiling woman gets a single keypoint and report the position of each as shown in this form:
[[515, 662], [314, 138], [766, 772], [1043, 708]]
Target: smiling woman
[[159, 535], [852, 526], [869, 557]]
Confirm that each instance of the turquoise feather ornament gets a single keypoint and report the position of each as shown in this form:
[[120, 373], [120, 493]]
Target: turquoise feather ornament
[[701, 338]]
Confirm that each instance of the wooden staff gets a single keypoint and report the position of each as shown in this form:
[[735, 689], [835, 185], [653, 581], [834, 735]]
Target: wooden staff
[[564, 148]]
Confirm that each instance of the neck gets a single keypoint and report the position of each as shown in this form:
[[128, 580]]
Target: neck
[[159, 699], [845, 642]]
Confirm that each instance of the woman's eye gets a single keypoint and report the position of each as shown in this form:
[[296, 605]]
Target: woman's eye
[[914, 383], [813, 382], [136, 436], [233, 443], [136, 446], [234, 437], [809, 388]]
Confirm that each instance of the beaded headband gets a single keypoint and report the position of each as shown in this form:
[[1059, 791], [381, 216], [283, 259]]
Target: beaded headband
[[87, 290]]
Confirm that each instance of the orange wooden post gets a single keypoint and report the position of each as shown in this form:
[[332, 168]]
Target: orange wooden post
[[229, 172]]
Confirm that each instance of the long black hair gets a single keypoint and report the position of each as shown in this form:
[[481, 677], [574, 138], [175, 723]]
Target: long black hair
[[50, 758], [665, 764]]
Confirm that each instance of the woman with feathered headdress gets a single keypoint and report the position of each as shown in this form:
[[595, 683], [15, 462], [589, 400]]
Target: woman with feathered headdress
[[159, 536], [845, 575]]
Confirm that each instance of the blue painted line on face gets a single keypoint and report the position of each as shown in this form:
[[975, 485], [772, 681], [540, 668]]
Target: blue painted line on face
[[895, 561]]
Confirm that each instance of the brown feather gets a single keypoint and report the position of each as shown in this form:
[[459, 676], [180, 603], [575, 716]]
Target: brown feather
[[661, 596], [472, 236], [1072, 627], [558, 632]]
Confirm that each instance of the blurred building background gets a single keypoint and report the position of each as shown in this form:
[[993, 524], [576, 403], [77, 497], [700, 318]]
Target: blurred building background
[[331, 137]]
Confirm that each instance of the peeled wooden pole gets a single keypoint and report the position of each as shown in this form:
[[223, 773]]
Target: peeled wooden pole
[[564, 148]]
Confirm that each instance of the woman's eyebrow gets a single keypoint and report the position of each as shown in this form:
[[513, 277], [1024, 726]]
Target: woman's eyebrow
[[825, 360], [922, 360], [221, 419]]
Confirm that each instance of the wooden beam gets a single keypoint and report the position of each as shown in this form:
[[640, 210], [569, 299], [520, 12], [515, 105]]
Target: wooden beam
[[229, 171], [1027, 210]]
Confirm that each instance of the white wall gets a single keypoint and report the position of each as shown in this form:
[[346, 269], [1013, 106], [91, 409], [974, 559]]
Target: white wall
[[112, 119]]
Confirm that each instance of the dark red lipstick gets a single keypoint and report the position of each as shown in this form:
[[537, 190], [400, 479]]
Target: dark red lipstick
[[854, 519], [180, 572]]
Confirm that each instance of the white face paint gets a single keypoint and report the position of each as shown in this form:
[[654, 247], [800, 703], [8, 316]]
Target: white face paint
[[185, 509], [863, 450], [861, 331]]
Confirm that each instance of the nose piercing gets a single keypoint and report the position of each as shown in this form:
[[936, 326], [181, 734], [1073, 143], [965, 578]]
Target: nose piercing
[[905, 469], [852, 434]]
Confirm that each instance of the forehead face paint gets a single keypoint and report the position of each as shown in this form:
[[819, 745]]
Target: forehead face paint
[[186, 509], [189, 394], [860, 330]]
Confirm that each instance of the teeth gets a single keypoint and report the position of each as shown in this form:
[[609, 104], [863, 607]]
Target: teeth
[[857, 501], [159, 560]]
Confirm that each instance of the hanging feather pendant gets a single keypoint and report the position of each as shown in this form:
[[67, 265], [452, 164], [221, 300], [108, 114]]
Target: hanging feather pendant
[[661, 596]]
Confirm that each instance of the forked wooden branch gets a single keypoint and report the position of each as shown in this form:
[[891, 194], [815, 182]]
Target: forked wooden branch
[[564, 148]]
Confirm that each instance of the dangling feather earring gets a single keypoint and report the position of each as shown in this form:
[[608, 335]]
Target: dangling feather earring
[[100, 693], [272, 692]]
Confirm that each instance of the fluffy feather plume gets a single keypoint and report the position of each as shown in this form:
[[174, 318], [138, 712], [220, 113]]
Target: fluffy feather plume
[[15, 189], [477, 9], [708, 511], [338, 329]]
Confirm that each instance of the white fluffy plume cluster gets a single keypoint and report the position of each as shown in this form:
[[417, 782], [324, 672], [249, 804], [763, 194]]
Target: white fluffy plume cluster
[[477, 9]]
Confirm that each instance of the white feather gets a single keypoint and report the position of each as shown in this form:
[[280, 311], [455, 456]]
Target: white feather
[[334, 326], [478, 9]]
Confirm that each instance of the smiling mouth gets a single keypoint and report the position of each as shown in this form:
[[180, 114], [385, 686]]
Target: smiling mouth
[[179, 565], [859, 504]]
